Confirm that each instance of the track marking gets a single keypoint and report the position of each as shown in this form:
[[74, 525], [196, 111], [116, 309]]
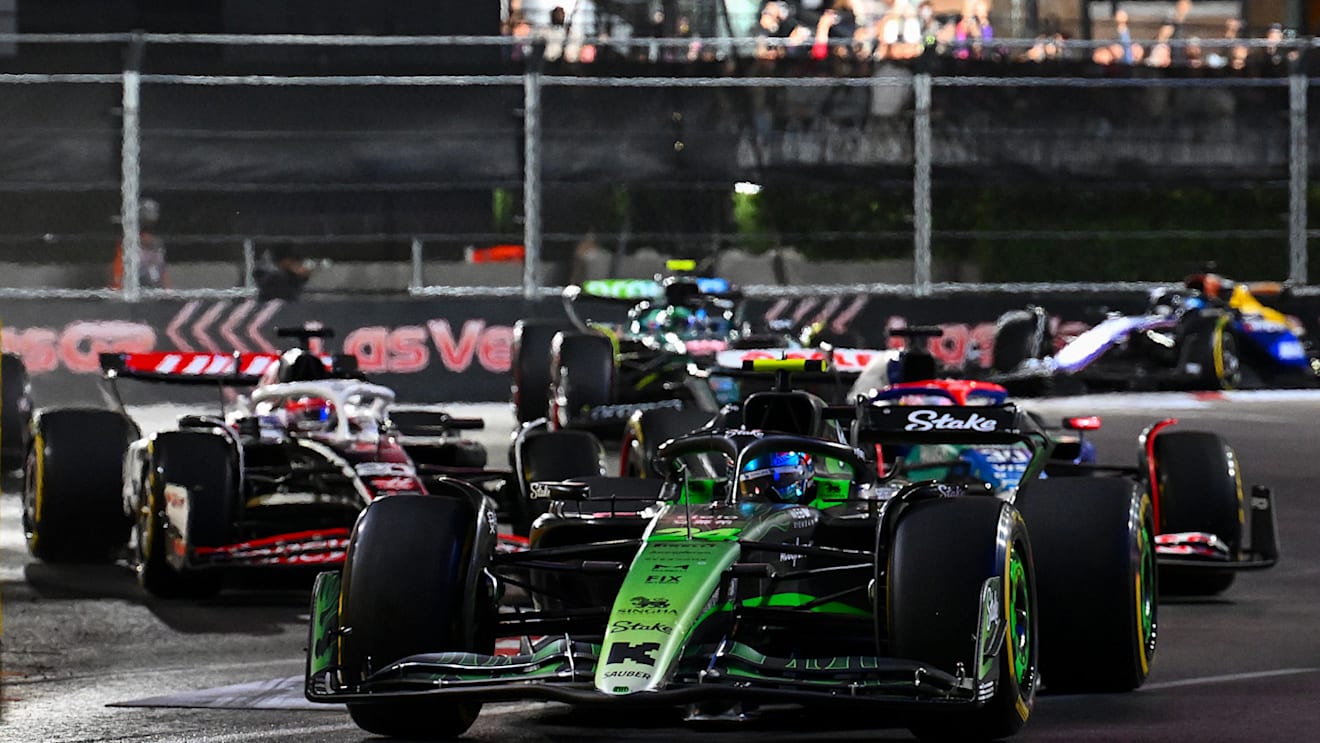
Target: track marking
[[313, 732], [1229, 678]]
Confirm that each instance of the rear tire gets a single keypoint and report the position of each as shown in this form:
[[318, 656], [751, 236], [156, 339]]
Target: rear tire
[[1210, 345], [1200, 489], [552, 456], [15, 413], [205, 465], [413, 584], [581, 375], [531, 367], [648, 429], [943, 552], [1015, 341], [73, 506], [1094, 538]]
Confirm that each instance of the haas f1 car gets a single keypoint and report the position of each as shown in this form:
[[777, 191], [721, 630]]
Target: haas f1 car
[[277, 481], [783, 560]]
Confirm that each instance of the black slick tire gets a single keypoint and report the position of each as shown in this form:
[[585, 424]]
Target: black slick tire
[[1200, 490], [205, 466], [581, 375], [413, 584], [73, 506], [531, 367], [943, 552], [1093, 539], [646, 430]]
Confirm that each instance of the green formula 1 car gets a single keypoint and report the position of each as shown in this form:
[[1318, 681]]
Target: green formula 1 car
[[770, 565]]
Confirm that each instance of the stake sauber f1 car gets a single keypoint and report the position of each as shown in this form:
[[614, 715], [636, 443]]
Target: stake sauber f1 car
[[784, 560], [276, 481]]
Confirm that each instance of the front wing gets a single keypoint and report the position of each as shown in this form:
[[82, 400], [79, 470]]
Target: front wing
[[562, 669]]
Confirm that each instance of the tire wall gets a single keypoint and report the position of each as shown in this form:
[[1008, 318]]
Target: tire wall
[[450, 349]]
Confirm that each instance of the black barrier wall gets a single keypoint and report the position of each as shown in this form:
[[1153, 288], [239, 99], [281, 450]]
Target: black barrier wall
[[457, 350]]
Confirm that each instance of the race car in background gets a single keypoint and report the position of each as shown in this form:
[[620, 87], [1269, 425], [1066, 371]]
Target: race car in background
[[1202, 534], [678, 334], [15, 412], [773, 562], [278, 479], [1210, 333]]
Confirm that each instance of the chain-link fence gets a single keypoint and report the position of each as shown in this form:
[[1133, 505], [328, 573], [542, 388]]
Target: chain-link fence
[[517, 178]]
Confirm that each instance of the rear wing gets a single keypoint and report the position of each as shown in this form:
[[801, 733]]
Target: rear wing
[[847, 361], [947, 424], [193, 367]]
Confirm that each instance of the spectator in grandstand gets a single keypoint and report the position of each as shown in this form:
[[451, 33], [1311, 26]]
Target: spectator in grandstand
[[775, 24], [1237, 53], [281, 273], [1048, 47], [1123, 51], [555, 35], [151, 256], [835, 24], [973, 31], [519, 28], [1160, 55], [1172, 33], [934, 32], [1274, 54], [900, 32]]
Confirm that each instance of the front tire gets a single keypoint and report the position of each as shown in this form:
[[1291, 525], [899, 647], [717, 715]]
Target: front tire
[[204, 466], [1200, 490], [413, 583], [1094, 540], [943, 553]]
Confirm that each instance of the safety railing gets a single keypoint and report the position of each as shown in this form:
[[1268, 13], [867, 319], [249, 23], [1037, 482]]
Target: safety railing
[[908, 101]]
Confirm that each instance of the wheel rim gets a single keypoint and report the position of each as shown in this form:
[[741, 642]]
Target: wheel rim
[[32, 493], [1019, 616], [1228, 367], [1146, 595]]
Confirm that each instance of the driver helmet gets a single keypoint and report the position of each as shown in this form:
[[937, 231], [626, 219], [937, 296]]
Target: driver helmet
[[1168, 301], [780, 477], [681, 321], [310, 414]]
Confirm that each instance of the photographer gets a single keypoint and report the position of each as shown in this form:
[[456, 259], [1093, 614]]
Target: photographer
[[281, 273]]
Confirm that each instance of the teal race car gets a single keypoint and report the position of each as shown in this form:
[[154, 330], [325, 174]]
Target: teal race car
[[780, 562]]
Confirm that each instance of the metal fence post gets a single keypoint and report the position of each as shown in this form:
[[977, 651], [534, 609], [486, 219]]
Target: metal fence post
[[921, 156], [531, 181], [418, 280], [130, 186], [1297, 175], [249, 263]]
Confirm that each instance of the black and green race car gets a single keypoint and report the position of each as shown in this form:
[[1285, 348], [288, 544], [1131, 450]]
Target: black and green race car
[[778, 563], [662, 344]]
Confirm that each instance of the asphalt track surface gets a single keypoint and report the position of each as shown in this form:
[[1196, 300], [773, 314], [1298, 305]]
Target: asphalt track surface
[[1241, 667]]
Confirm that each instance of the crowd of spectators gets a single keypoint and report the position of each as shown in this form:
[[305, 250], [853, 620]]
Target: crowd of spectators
[[907, 29]]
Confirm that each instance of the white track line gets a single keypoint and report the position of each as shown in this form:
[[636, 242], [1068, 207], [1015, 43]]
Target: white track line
[[1229, 678]]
